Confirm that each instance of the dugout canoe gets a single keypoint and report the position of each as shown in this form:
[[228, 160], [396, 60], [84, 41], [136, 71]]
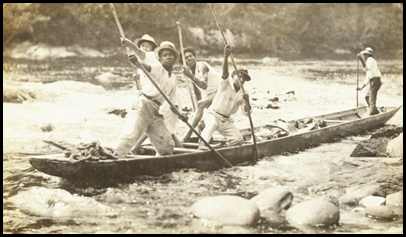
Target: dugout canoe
[[338, 124]]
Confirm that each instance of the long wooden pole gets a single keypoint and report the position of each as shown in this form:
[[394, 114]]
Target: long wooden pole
[[357, 79], [192, 98], [120, 29], [55, 144], [242, 87], [176, 111]]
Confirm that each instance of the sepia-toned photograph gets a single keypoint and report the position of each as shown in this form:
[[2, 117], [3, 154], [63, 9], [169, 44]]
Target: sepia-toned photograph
[[202, 118]]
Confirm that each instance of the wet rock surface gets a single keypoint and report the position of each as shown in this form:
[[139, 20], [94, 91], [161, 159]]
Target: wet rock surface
[[226, 209], [376, 146], [317, 212]]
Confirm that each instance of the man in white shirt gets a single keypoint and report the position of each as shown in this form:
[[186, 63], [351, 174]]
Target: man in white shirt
[[144, 115], [372, 77], [147, 44], [228, 99]]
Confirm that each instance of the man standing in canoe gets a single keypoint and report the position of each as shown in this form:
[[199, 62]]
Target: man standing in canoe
[[204, 77], [144, 115], [228, 99], [372, 77], [147, 44]]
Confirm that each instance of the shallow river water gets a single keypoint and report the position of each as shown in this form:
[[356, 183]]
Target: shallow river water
[[34, 202]]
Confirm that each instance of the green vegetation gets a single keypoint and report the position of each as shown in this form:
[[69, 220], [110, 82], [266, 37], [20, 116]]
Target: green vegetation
[[291, 30]]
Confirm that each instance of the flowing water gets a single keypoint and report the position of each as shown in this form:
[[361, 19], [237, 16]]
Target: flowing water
[[34, 202]]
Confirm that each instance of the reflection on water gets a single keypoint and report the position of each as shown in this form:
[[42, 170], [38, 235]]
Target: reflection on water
[[38, 203]]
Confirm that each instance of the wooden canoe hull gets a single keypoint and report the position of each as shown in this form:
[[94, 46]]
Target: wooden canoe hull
[[57, 165]]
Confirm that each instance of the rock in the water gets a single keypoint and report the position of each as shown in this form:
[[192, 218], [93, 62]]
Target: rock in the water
[[379, 212], [362, 151], [229, 210], [119, 112], [316, 212], [275, 199], [272, 106], [47, 127], [390, 131], [17, 96], [395, 147], [371, 148], [377, 145], [395, 199], [59, 203], [372, 201], [274, 99], [355, 194]]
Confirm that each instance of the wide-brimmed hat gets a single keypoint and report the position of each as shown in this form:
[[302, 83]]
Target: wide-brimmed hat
[[145, 38], [166, 45], [243, 73], [190, 49], [367, 50]]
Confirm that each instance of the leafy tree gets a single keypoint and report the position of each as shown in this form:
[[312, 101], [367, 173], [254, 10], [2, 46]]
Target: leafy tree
[[254, 29]]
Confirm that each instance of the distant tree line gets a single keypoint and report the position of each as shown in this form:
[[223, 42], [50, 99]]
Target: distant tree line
[[306, 30]]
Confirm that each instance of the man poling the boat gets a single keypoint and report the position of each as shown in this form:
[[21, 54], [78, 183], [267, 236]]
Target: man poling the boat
[[372, 77], [144, 115], [242, 88], [228, 99], [147, 44], [206, 80]]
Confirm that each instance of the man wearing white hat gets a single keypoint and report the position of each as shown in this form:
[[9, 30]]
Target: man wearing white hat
[[373, 78], [144, 115], [147, 44], [145, 47]]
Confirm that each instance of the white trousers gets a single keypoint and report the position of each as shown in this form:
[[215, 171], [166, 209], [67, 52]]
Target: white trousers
[[225, 126], [170, 118], [144, 117]]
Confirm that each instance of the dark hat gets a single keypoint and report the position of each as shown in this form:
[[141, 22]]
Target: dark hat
[[145, 38], [243, 73], [190, 49], [166, 45]]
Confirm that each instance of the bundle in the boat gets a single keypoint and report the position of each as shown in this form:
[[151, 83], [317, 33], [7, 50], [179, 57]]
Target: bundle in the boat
[[89, 151]]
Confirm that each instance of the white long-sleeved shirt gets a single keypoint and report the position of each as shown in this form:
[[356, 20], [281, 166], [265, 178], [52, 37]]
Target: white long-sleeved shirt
[[149, 59], [166, 82], [372, 70]]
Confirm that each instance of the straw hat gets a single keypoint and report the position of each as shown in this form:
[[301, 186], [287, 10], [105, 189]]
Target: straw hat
[[145, 38], [367, 50], [166, 45]]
